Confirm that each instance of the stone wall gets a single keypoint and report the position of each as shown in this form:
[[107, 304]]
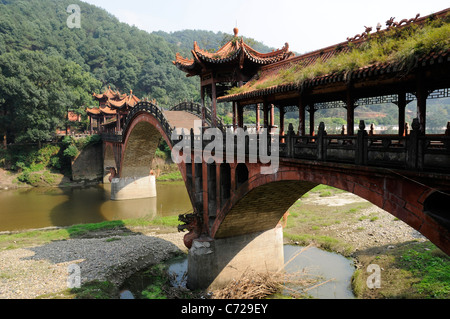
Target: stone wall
[[88, 165]]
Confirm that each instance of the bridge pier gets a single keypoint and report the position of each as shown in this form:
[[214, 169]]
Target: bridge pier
[[213, 263], [133, 187]]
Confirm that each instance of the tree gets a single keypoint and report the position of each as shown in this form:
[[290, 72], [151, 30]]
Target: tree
[[37, 91]]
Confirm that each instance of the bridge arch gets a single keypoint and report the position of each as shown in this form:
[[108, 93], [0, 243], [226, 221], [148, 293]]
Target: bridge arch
[[142, 135], [436, 206], [260, 202], [141, 141]]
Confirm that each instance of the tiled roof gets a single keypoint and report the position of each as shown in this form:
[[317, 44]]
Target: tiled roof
[[114, 102], [128, 101], [109, 94], [101, 110], [377, 69], [232, 51], [270, 72]]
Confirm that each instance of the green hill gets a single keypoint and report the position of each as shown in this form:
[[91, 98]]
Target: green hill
[[47, 68], [35, 41]]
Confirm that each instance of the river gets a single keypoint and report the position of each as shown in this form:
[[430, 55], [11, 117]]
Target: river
[[31, 208], [331, 274]]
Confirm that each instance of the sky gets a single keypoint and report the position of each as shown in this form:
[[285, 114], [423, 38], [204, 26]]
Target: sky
[[304, 25]]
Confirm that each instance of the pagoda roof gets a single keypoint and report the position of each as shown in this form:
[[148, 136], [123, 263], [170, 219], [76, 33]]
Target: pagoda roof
[[114, 102], [109, 95], [101, 110], [128, 101], [234, 51]]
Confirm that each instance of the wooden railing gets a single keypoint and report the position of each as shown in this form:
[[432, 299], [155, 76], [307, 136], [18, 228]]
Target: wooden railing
[[196, 109], [414, 151]]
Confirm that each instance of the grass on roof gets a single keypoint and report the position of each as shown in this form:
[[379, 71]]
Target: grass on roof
[[401, 46]]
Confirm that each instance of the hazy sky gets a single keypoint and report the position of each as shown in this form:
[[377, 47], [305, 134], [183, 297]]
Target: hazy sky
[[305, 25]]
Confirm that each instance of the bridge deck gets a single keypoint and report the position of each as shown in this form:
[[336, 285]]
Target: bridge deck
[[181, 119]]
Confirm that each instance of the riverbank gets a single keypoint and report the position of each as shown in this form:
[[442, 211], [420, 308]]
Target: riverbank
[[35, 264], [45, 178], [410, 266]]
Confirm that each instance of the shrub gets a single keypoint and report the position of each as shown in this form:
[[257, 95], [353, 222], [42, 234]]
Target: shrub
[[71, 151]]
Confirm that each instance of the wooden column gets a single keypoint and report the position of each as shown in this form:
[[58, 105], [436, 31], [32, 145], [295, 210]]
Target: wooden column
[[282, 113], [272, 117], [350, 114], [257, 117], [234, 115], [401, 103], [90, 125], [118, 122], [421, 95], [214, 105], [240, 110], [266, 114], [312, 111], [202, 101], [301, 117]]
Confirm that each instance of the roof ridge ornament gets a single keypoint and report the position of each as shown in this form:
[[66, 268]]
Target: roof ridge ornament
[[389, 24], [365, 34]]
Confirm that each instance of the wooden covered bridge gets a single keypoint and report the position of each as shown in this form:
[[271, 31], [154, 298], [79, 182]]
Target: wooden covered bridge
[[236, 204]]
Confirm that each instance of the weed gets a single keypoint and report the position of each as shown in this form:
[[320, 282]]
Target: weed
[[95, 290]]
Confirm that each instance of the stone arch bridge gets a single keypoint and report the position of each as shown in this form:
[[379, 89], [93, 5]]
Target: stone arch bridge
[[237, 205]]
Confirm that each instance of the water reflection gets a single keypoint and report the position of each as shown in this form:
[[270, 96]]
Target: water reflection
[[328, 266], [43, 207]]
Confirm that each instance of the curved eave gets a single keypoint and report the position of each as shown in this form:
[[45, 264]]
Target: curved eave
[[231, 52], [93, 111], [267, 58], [107, 110], [209, 58]]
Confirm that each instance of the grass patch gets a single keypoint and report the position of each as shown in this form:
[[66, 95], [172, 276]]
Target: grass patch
[[172, 176], [155, 283], [322, 241], [326, 194], [124, 227], [95, 290], [83, 229], [432, 266], [412, 270]]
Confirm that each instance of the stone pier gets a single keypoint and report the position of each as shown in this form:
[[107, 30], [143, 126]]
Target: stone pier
[[213, 263], [133, 187]]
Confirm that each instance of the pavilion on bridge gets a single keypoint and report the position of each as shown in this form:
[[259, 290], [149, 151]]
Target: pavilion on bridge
[[259, 82], [234, 64], [111, 112], [426, 77]]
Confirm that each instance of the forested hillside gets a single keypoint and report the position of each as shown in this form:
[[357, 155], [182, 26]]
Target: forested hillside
[[34, 37], [47, 68]]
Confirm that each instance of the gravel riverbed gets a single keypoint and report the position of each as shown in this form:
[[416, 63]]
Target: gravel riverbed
[[374, 227], [31, 272], [42, 270]]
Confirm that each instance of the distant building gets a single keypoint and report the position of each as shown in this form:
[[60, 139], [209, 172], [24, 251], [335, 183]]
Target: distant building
[[111, 112]]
